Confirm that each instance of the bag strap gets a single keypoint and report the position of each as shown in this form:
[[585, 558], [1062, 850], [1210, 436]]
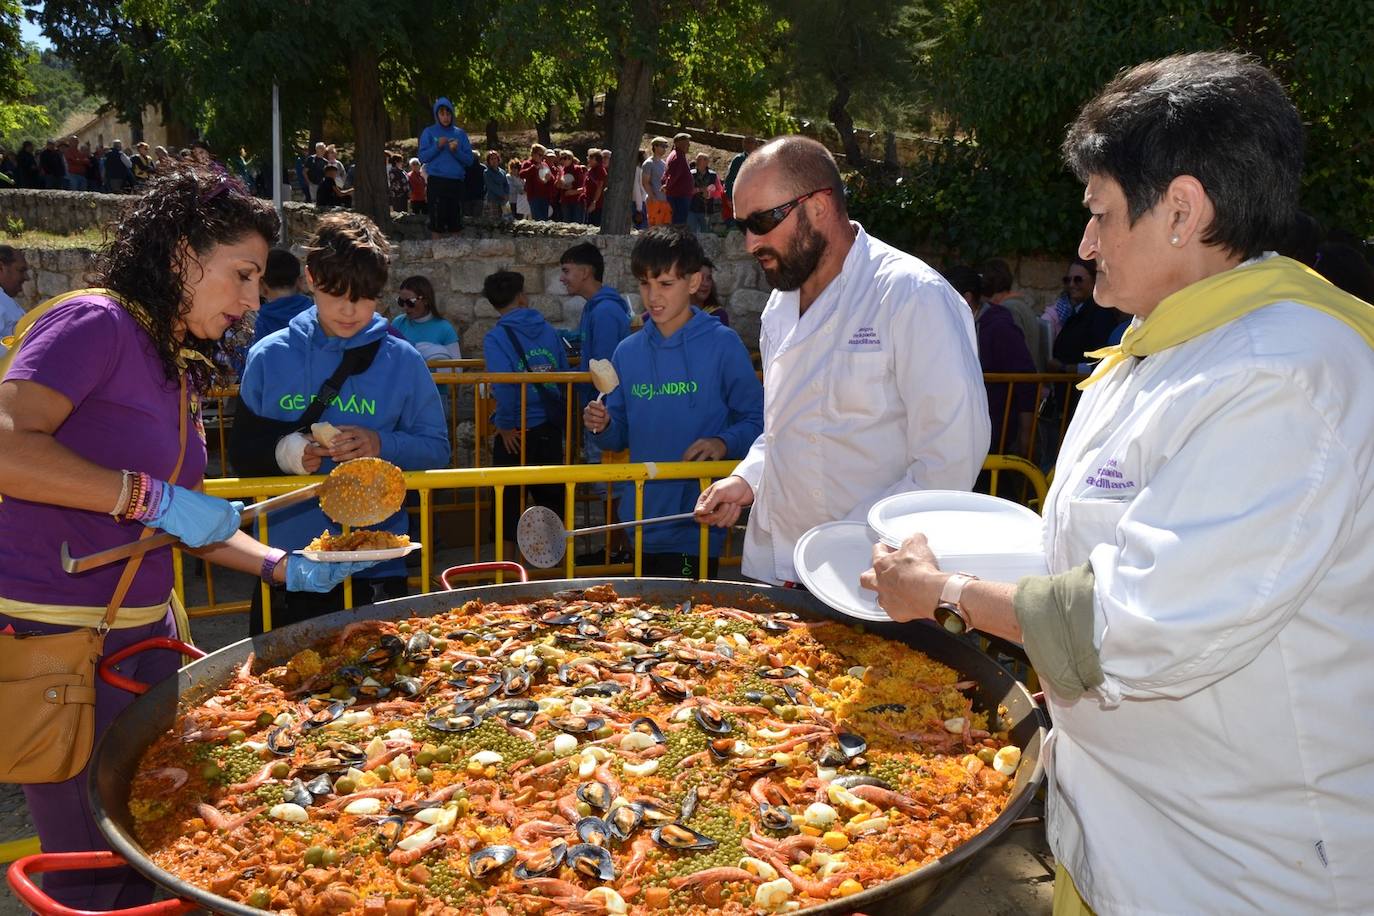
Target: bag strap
[[126, 579], [355, 362]]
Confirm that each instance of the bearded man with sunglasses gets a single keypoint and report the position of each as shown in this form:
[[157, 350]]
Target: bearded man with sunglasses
[[871, 378]]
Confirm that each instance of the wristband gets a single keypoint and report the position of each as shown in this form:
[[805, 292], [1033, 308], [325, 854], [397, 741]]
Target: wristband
[[122, 505], [270, 563]]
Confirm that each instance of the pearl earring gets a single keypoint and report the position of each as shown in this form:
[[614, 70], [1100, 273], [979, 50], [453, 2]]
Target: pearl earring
[[1174, 240]]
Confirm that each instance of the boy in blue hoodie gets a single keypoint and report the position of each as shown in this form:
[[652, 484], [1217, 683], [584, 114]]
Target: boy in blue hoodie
[[389, 407], [281, 293], [447, 154], [687, 392], [523, 341]]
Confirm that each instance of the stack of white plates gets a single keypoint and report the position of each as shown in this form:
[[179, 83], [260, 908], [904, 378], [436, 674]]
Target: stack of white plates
[[971, 533]]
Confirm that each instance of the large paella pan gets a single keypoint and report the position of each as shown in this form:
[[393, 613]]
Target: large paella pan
[[655, 745]]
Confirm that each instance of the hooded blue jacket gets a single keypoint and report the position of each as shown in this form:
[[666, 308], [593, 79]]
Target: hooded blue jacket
[[445, 163], [605, 323], [396, 396], [673, 391], [543, 351], [276, 314]]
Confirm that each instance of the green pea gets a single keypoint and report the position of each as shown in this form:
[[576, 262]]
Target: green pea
[[383, 773], [314, 855], [424, 775], [424, 758], [260, 899], [345, 785], [281, 769], [237, 736], [444, 754]]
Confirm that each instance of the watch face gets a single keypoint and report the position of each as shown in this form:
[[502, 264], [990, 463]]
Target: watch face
[[947, 616]]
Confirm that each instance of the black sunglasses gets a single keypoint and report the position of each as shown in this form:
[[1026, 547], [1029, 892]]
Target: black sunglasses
[[1074, 280], [405, 303], [763, 222]]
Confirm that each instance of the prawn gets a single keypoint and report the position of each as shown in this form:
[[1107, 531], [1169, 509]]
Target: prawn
[[216, 820], [887, 798]]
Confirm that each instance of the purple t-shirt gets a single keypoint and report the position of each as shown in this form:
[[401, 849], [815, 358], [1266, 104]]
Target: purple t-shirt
[[124, 416]]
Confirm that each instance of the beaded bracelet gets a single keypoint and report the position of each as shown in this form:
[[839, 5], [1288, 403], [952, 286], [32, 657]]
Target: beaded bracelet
[[122, 505], [153, 490], [136, 491]]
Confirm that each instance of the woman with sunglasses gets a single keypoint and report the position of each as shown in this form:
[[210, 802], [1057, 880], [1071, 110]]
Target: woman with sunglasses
[[420, 321], [1084, 325], [1204, 634], [870, 366]]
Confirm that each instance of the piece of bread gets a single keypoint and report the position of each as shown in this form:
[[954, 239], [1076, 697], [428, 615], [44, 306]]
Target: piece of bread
[[603, 375], [324, 433]]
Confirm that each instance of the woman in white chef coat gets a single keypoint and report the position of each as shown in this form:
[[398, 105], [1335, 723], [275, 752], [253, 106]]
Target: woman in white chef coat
[[1206, 631]]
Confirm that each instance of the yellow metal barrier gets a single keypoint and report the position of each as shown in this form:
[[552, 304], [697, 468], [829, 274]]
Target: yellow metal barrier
[[17, 849]]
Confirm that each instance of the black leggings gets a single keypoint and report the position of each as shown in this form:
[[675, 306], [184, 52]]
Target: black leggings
[[543, 445], [445, 199]]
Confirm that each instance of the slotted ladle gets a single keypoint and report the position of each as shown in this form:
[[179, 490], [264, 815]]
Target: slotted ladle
[[357, 493], [543, 540]]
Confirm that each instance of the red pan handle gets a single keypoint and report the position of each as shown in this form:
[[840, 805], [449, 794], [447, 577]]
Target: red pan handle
[[470, 568], [115, 679], [26, 890]]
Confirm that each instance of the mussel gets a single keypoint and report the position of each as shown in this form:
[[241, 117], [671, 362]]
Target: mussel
[[858, 779], [770, 623], [775, 818], [577, 725], [468, 666], [382, 654], [603, 689], [566, 675], [297, 794], [282, 741], [676, 836], [544, 865], [325, 716], [887, 707], [370, 689], [779, 674], [748, 769], [418, 646], [489, 859], [722, 748], [794, 696], [649, 727], [411, 686], [591, 861], [523, 718], [689, 804], [514, 681], [594, 830], [453, 717], [320, 786], [589, 630], [389, 830], [670, 687], [560, 619], [853, 745], [656, 815], [350, 675], [710, 720], [597, 794], [831, 757], [624, 820], [507, 708], [756, 697]]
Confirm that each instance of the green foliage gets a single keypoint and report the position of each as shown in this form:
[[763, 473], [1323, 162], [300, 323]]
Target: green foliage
[[17, 111], [54, 93], [1010, 74], [14, 227]]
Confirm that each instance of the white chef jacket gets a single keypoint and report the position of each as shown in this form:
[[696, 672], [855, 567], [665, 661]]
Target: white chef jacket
[[10, 313], [1221, 490], [876, 390]]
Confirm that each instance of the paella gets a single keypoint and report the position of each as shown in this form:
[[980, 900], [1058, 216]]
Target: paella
[[584, 754]]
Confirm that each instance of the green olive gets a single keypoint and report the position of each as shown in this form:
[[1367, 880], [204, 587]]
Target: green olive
[[260, 899], [460, 807], [345, 785], [769, 701], [424, 758], [424, 775], [281, 769], [331, 858], [237, 736], [986, 754], [444, 754], [446, 667], [211, 771], [314, 855], [482, 650], [403, 628], [787, 713], [699, 690], [584, 809], [383, 773], [470, 638], [542, 758], [441, 646], [339, 692], [265, 719], [604, 732]]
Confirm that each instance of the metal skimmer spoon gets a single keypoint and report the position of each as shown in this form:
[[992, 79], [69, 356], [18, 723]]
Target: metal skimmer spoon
[[357, 493], [543, 539]]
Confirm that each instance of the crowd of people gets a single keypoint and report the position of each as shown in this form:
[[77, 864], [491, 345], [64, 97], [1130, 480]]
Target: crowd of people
[[1190, 585], [70, 164]]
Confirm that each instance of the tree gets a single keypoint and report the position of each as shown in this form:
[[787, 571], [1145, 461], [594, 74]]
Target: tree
[[15, 112]]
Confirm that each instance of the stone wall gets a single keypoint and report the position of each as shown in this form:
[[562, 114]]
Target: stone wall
[[457, 266], [61, 212]]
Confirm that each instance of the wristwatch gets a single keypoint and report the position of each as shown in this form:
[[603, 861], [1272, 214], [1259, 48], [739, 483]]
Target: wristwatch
[[269, 564], [949, 613]]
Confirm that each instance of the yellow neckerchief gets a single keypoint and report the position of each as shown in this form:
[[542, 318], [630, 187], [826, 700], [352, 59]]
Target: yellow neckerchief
[[145, 321], [1224, 297]]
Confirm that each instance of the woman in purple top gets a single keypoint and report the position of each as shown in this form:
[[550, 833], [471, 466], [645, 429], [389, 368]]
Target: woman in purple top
[[90, 418]]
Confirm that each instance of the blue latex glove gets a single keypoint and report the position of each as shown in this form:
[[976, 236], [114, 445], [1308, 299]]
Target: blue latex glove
[[196, 519], [304, 575]]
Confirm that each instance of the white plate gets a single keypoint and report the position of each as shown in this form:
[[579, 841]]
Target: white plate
[[971, 533], [829, 560], [359, 556]]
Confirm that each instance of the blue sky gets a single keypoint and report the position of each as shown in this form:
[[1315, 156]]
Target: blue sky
[[31, 33]]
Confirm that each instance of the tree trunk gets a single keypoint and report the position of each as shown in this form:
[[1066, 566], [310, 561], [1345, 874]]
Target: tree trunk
[[369, 137], [316, 126], [544, 128], [608, 118], [421, 117], [493, 136], [844, 124], [633, 96]]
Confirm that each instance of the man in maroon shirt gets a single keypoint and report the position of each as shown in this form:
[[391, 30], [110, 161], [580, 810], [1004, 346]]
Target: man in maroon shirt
[[677, 180]]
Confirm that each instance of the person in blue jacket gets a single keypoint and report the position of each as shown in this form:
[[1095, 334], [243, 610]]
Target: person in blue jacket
[[524, 341], [281, 292], [389, 410], [687, 392], [447, 154]]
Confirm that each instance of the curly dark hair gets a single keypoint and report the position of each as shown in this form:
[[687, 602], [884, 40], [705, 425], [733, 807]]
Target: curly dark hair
[[144, 260]]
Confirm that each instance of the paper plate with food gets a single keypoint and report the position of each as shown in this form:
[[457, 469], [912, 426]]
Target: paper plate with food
[[360, 546]]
